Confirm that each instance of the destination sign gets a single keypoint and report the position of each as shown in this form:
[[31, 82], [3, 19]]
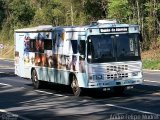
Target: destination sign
[[111, 30]]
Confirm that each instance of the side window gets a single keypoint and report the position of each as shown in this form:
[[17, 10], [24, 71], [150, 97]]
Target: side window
[[82, 47], [54, 42], [48, 44], [74, 46], [40, 45], [32, 45], [37, 45], [90, 49]]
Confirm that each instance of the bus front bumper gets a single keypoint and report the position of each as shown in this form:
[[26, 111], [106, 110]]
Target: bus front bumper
[[114, 83]]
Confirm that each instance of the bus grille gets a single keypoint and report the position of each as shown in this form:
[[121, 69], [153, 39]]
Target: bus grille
[[117, 68], [116, 76], [115, 72]]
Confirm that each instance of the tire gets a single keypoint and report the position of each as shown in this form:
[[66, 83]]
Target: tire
[[119, 90], [77, 91], [35, 81]]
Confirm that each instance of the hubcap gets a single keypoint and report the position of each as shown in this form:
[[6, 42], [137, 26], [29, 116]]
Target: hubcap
[[35, 78], [74, 85]]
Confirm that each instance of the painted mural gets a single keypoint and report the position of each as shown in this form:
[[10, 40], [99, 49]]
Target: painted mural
[[26, 48], [37, 51]]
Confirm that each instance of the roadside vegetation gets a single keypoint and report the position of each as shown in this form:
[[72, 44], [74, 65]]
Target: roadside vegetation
[[7, 52], [151, 59], [15, 14]]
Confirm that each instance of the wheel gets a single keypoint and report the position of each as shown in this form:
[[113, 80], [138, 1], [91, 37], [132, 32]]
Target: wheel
[[75, 87], [119, 89], [35, 81]]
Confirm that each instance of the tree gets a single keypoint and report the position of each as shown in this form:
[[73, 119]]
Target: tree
[[120, 10], [151, 22], [2, 14], [21, 12], [51, 13], [95, 10]]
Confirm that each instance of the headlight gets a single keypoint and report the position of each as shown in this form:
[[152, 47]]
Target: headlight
[[90, 77], [98, 77], [135, 74]]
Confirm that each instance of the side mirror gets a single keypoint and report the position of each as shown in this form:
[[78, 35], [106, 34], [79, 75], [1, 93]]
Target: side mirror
[[140, 37], [89, 57]]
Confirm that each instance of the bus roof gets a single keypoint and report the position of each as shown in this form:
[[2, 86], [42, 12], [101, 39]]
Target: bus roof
[[94, 25], [37, 28], [111, 25], [71, 28]]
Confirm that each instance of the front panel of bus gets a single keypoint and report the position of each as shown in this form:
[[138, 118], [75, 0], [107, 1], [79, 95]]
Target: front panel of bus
[[113, 59]]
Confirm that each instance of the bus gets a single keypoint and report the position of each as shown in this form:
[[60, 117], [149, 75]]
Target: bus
[[103, 55]]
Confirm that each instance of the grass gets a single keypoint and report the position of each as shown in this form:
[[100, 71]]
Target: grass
[[151, 64]]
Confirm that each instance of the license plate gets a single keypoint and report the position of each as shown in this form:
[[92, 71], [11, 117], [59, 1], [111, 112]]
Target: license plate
[[118, 83]]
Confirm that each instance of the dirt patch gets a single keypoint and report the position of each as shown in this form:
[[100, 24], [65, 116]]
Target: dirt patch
[[151, 55]]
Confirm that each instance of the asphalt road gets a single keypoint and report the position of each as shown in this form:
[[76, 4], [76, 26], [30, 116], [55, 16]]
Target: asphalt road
[[19, 101]]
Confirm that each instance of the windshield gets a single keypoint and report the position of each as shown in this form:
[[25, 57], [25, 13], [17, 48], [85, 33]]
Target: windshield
[[111, 48]]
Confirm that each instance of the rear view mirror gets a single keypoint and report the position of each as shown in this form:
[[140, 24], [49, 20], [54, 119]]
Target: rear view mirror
[[89, 57]]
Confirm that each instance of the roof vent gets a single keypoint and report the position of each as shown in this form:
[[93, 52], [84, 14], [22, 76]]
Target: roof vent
[[106, 21]]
